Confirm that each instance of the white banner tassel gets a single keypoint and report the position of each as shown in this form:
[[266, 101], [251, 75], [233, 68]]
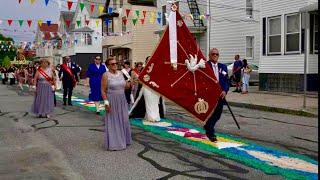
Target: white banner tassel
[[173, 38]]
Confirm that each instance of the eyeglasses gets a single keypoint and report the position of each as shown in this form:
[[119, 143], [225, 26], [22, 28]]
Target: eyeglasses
[[217, 54], [98, 59], [111, 64]]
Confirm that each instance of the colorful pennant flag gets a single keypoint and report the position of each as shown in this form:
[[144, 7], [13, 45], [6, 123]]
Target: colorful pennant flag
[[127, 12], [106, 22], [97, 22], [29, 22], [19, 1], [159, 20], [40, 22], [101, 8], [92, 8], [125, 21], [134, 21], [152, 20], [78, 23], [110, 10], [137, 13], [81, 6], [70, 5], [142, 21], [49, 23], [87, 22], [144, 13], [46, 1], [32, 1], [9, 22], [20, 22], [68, 22], [159, 14]]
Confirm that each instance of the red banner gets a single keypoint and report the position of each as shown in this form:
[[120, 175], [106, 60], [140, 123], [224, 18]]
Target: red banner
[[197, 92]]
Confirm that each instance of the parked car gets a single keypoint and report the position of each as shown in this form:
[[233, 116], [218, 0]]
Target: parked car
[[254, 75]]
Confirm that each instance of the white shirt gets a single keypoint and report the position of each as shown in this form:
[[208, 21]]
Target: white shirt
[[98, 66], [215, 70]]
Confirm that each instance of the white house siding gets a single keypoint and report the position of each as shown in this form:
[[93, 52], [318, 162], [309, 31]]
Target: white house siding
[[291, 64], [228, 31]]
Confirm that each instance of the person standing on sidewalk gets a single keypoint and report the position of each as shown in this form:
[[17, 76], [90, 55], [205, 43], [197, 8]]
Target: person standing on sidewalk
[[246, 70], [117, 127], [94, 75], [221, 73], [68, 75], [43, 104], [236, 72]]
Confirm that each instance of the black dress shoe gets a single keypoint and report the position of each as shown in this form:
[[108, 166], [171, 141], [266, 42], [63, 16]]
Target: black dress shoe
[[212, 138], [64, 104], [69, 104]]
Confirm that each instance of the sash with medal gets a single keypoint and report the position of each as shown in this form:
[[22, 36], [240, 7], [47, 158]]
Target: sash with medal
[[68, 70]]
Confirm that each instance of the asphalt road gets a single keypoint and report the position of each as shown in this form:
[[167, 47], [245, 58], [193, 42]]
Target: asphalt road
[[69, 145]]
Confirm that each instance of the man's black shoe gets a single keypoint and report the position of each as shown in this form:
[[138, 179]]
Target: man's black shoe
[[212, 138], [69, 104], [64, 104]]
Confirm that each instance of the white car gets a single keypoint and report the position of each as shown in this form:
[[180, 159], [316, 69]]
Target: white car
[[254, 75]]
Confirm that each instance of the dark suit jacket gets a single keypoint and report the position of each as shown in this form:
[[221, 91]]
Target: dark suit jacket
[[223, 77], [66, 78]]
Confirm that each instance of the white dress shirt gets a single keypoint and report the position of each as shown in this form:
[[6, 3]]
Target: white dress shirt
[[215, 70]]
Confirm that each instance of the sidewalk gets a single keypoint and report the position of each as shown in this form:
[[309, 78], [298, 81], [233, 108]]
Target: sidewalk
[[288, 103]]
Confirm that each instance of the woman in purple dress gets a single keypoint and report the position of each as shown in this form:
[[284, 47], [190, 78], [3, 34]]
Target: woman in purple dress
[[117, 127], [94, 75], [43, 104]]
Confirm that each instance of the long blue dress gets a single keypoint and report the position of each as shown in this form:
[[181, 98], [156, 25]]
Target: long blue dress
[[95, 76]]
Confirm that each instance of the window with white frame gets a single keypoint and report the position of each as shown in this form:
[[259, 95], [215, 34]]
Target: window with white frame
[[164, 11], [249, 8], [249, 47], [315, 34], [292, 33], [274, 35]]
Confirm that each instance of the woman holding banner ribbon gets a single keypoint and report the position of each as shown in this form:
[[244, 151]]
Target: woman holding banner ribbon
[[43, 104]]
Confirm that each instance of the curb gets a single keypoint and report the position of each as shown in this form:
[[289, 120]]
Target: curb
[[273, 109]]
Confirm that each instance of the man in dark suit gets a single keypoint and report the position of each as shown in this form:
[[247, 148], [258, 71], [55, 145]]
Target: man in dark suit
[[68, 75], [221, 74]]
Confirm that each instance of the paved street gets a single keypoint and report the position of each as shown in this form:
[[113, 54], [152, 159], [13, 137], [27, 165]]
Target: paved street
[[69, 145]]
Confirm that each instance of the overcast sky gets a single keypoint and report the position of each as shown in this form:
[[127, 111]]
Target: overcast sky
[[11, 9]]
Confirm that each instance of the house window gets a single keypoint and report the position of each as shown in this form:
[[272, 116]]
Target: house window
[[249, 8], [315, 35], [164, 11], [124, 26], [249, 47], [88, 39], [274, 35], [110, 27], [292, 33]]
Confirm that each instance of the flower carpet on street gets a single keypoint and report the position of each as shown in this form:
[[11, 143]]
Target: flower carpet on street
[[269, 160]]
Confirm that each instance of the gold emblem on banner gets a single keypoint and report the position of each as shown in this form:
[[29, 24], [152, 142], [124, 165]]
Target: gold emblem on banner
[[201, 106], [146, 78]]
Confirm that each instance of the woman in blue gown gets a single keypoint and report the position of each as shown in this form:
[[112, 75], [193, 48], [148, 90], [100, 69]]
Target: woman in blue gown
[[94, 75]]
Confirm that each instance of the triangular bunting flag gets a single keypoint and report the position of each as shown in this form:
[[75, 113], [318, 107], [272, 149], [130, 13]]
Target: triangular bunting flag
[[29, 22], [106, 22], [159, 14], [46, 1], [49, 23], [92, 8], [125, 21], [110, 10], [40, 22], [144, 14], [127, 12], [97, 22], [142, 21], [69, 5], [159, 20], [20, 22], [152, 20], [87, 22], [101, 8], [81, 6], [68, 22], [134, 21], [32, 1], [9, 22], [19, 1], [78, 23], [192, 85], [137, 13]]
